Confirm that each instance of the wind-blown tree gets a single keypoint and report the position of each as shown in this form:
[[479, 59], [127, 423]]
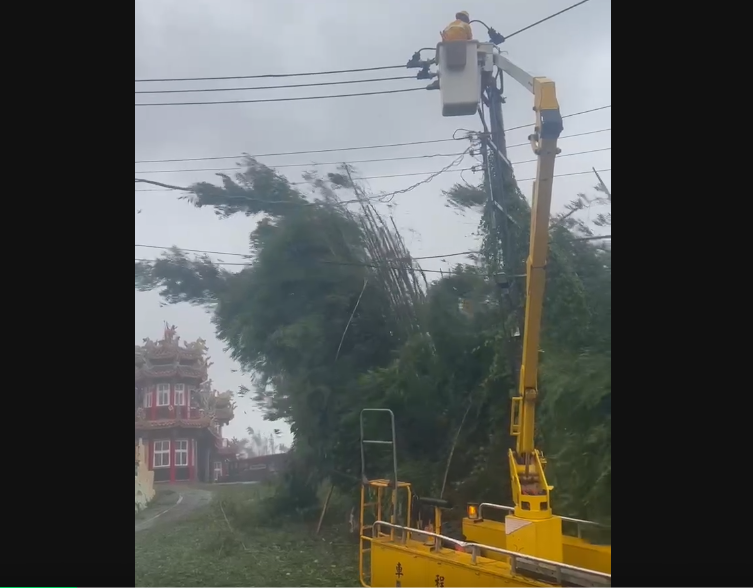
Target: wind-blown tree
[[241, 446], [312, 311], [574, 420], [259, 443], [329, 318]]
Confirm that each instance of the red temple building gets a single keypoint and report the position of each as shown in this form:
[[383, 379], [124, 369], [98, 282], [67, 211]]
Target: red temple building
[[178, 416]]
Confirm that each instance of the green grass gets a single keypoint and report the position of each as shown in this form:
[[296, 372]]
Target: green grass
[[202, 550]]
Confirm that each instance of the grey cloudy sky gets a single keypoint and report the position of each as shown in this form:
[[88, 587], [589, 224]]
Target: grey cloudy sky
[[202, 38]]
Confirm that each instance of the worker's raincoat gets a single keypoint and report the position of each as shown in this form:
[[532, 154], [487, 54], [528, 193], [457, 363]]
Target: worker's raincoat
[[457, 30]]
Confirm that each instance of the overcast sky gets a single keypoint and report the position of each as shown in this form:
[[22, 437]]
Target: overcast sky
[[204, 38]]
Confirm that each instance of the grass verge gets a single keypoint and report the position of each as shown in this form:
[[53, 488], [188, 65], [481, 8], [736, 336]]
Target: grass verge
[[202, 550]]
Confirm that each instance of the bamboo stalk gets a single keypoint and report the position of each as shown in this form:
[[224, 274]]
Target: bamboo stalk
[[324, 508]]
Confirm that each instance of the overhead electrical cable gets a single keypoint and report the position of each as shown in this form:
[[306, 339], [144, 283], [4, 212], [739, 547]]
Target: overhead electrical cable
[[328, 262], [332, 150], [265, 76], [208, 252], [242, 155], [357, 148], [407, 259], [382, 197], [543, 20], [240, 167], [433, 174], [189, 90], [336, 71], [288, 99]]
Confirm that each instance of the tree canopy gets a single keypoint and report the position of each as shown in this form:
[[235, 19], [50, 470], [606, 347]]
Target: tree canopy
[[332, 315]]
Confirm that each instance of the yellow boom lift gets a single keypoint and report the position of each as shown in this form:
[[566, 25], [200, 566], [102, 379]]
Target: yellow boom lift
[[529, 548]]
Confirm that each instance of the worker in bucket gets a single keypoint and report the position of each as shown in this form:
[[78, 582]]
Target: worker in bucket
[[459, 29]]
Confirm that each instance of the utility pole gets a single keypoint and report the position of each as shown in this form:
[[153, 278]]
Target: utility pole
[[498, 174]]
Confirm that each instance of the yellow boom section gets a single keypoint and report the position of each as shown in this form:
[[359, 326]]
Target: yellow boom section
[[534, 530]]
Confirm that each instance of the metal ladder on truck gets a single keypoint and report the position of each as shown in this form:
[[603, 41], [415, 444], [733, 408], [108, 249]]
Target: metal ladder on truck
[[366, 531]]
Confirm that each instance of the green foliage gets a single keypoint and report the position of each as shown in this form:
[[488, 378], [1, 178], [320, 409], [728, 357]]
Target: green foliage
[[294, 498], [316, 323], [212, 548]]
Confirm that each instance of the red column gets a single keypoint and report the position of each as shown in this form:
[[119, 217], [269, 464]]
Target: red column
[[172, 459], [191, 467], [153, 391], [176, 408]]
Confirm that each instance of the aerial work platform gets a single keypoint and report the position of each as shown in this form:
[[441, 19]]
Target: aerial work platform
[[459, 67]]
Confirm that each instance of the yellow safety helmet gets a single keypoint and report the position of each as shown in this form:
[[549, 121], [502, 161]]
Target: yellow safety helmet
[[463, 15]]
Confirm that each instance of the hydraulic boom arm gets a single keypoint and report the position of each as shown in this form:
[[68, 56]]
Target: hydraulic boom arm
[[530, 489]]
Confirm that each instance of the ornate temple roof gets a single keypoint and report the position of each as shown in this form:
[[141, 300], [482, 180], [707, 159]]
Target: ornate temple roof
[[224, 407], [169, 347], [170, 370], [168, 358]]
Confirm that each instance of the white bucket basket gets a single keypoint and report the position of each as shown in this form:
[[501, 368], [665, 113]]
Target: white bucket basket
[[459, 77]]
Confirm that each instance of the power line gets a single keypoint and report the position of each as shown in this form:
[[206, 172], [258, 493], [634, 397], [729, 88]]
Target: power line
[[325, 261], [288, 75], [248, 256], [168, 171], [335, 72], [433, 175], [205, 251], [409, 258], [538, 22], [240, 156], [294, 99], [590, 171], [314, 181], [169, 188], [517, 180], [609, 169], [297, 152], [381, 177], [526, 144], [567, 155], [185, 189], [315, 73], [358, 148], [183, 91], [333, 262], [389, 195], [206, 169], [257, 101], [381, 197]]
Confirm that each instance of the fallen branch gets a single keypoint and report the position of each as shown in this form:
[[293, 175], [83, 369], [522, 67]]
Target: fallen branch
[[170, 186], [229, 526], [454, 443], [324, 509], [352, 314]]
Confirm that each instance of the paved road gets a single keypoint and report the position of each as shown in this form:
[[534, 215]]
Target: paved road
[[187, 500]]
